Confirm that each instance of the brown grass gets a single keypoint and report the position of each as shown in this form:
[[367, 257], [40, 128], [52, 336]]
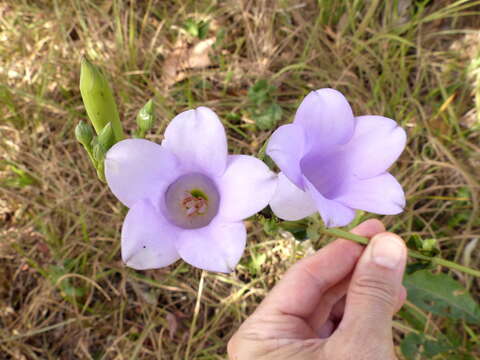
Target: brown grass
[[64, 293]]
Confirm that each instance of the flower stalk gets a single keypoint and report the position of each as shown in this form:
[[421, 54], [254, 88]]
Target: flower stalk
[[412, 253]]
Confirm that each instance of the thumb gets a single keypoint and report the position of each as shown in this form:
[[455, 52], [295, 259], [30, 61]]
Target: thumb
[[375, 288]]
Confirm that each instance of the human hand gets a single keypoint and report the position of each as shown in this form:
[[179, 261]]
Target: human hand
[[335, 305]]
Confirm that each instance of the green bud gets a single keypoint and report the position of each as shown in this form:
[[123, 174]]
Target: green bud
[[98, 151], [145, 118], [106, 138], [313, 231], [98, 155], [430, 247], [98, 99], [429, 244], [270, 226], [84, 134]]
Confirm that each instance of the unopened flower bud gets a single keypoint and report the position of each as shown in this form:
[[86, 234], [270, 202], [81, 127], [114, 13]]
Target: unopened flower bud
[[145, 118], [98, 154], [106, 138], [98, 151], [84, 134], [98, 99]]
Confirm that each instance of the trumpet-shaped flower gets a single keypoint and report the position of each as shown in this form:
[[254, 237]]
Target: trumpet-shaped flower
[[187, 197], [334, 163]]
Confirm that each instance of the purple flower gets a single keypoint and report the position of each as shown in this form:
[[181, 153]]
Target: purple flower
[[187, 197], [333, 162]]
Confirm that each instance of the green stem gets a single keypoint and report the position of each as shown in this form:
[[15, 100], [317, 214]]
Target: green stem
[[89, 151], [412, 253]]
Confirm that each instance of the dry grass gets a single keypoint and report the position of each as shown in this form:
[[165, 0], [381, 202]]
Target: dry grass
[[64, 293]]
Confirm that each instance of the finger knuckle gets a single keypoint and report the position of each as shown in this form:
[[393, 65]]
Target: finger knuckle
[[379, 290], [231, 347], [367, 349]]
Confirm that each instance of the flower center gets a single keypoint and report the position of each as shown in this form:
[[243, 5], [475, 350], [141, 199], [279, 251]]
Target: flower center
[[195, 202], [191, 201]]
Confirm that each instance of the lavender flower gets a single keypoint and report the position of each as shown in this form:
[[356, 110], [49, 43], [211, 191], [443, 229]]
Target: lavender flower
[[187, 197], [333, 162]]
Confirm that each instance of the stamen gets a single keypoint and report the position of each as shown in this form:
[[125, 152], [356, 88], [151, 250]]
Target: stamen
[[202, 209], [194, 204], [191, 211]]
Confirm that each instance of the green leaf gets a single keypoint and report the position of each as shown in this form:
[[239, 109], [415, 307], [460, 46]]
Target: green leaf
[[410, 345], [297, 228], [269, 118], [417, 266], [263, 107], [313, 231], [191, 27], [415, 345], [432, 348], [256, 262], [197, 28], [270, 226], [55, 273], [441, 295], [18, 178], [427, 247], [203, 27], [414, 317], [260, 92]]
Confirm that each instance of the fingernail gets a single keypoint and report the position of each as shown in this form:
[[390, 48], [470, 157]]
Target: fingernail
[[387, 251]]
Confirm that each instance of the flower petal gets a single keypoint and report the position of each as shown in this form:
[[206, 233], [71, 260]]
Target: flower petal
[[216, 247], [381, 194], [138, 169], [324, 171], [291, 203], [333, 213], [377, 142], [326, 117], [245, 188], [147, 238], [286, 147], [197, 138]]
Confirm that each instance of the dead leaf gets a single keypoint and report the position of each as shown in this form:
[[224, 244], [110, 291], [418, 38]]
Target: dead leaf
[[43, 248], [185, 57], [172, 325], [470, 119]]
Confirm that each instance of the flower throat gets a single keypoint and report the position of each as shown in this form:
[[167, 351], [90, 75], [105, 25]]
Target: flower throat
[[192, 201]]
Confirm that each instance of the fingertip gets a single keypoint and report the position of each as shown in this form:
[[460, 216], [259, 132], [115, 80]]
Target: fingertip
[[369, 228], [389, 236], [388, 250]]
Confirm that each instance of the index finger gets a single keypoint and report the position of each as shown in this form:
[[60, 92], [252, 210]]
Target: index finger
[[300, 290]]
